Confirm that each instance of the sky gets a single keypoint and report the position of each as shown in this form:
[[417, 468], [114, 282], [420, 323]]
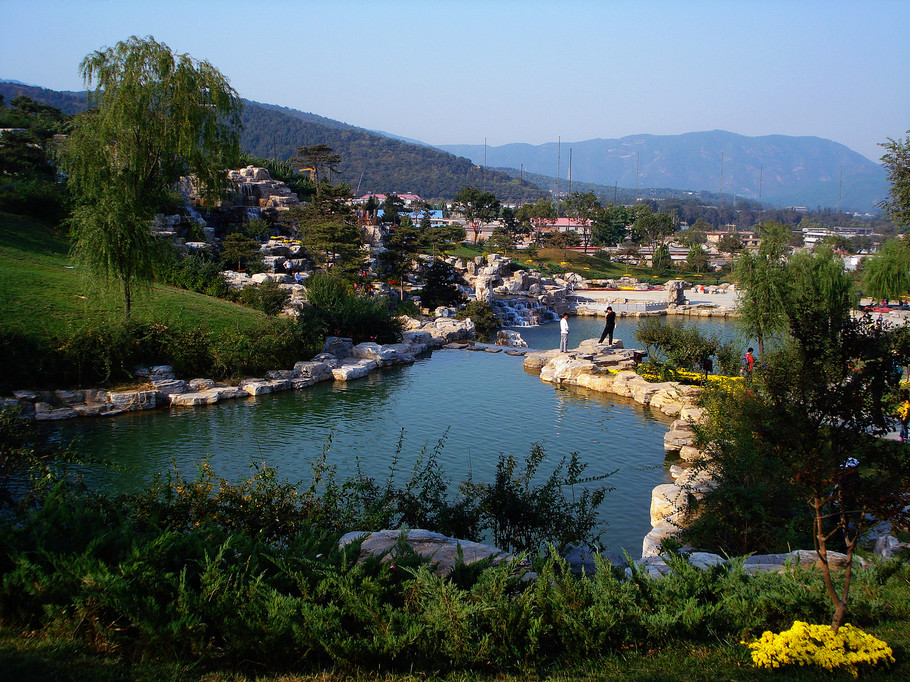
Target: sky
[[502, 71]]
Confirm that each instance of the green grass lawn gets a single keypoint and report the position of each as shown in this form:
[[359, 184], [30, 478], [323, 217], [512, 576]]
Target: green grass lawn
[[42, 294]]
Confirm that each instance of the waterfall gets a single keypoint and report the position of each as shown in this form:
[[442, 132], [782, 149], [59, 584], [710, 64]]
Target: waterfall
[[522, 312]]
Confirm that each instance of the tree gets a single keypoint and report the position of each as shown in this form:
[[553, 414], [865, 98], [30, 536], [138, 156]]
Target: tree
[[582, 207], [692, 237], [731, 243], [440, 287], [501, 240], [442, 237], [333, 245], [240, 249], [609, 225], [318, 157], [397, 261], [886, 275], [763, 286], [697, 258], [477, 207], [392, 208], [814, 415], [655, 228], [563, 240], [897, 163], [537, 214], [158, 116]]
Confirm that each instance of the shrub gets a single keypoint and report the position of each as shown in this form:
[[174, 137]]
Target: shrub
[[484, 318], [342, 312], [440, 288], [195, 272], [269, 297]]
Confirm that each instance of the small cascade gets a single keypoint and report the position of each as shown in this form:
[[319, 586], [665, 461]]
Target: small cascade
[[522, 312], [253, 213]]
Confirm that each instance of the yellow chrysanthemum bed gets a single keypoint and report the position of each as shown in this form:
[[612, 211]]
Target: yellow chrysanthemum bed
[[849, 649]]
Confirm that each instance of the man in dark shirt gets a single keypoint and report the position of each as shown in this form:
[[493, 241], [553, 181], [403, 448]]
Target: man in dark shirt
[[609, 326]]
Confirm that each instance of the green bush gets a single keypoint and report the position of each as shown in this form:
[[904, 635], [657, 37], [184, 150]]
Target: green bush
[[684, 347], [340, 311], [206, 573], [194, 272], [486, 324]]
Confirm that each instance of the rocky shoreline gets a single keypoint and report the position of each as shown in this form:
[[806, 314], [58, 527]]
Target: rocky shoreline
[[610, 369], [340, 360]]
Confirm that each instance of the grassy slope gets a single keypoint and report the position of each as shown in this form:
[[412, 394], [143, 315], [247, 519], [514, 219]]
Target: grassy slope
[[41, 293]]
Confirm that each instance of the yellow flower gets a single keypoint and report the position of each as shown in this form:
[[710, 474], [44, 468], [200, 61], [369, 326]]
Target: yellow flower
[[805, 644]]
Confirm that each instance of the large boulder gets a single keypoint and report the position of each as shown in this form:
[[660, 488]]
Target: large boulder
[[314, 370], [565, 369], [441, 550], [339, 347], [354, 370], [132, 401], [506, 337], [394, 354]]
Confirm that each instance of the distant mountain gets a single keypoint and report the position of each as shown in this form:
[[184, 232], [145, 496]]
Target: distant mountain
[[66, 101], [371, 162], [786, 170]]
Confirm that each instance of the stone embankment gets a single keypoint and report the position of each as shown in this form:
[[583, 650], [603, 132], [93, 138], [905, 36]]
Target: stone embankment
[[610, 369], [340, 360]]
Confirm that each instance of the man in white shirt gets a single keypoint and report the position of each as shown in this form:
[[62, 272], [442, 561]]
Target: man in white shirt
[[564, 333]]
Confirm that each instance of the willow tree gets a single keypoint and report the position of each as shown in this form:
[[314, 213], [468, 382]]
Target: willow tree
[[886, 275], [763, 287], [157, 117]]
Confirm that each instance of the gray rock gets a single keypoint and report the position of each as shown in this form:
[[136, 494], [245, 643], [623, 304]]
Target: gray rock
[[200, 384], [70, 397], [339, 347], [132, 401], [354, 370], [440, 549], [46, 412], [315, 371]]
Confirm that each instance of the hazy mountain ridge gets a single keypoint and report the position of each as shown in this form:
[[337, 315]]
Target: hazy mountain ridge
[[370, 161], [787, 170], [791, 170]]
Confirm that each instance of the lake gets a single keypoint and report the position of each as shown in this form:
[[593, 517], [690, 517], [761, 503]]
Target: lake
[[482, 404]]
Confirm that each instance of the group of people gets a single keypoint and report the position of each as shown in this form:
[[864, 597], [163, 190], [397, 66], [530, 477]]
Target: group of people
[[609, 327]]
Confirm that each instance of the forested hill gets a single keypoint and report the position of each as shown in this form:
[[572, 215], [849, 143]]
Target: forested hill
[[370, 162], [785, 170]]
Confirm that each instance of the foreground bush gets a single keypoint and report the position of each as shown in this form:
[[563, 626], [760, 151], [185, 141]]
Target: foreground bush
[[206, 572]]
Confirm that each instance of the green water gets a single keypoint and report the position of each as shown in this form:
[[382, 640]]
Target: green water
[[482, 404]]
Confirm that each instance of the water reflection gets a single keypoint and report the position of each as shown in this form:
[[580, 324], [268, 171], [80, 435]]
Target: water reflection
[[482, 404]]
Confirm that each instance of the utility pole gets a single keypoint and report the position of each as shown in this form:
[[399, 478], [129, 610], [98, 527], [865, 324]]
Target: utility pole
[[840, 191], [484, 164], [637, 166], [570, 171], [558, 170], [761, 173], [721, 178]]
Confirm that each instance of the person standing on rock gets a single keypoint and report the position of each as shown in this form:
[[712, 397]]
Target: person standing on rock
[[564, 333], [609, 326]]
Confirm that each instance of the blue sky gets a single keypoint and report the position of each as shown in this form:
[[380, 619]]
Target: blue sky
[[461, 71]]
